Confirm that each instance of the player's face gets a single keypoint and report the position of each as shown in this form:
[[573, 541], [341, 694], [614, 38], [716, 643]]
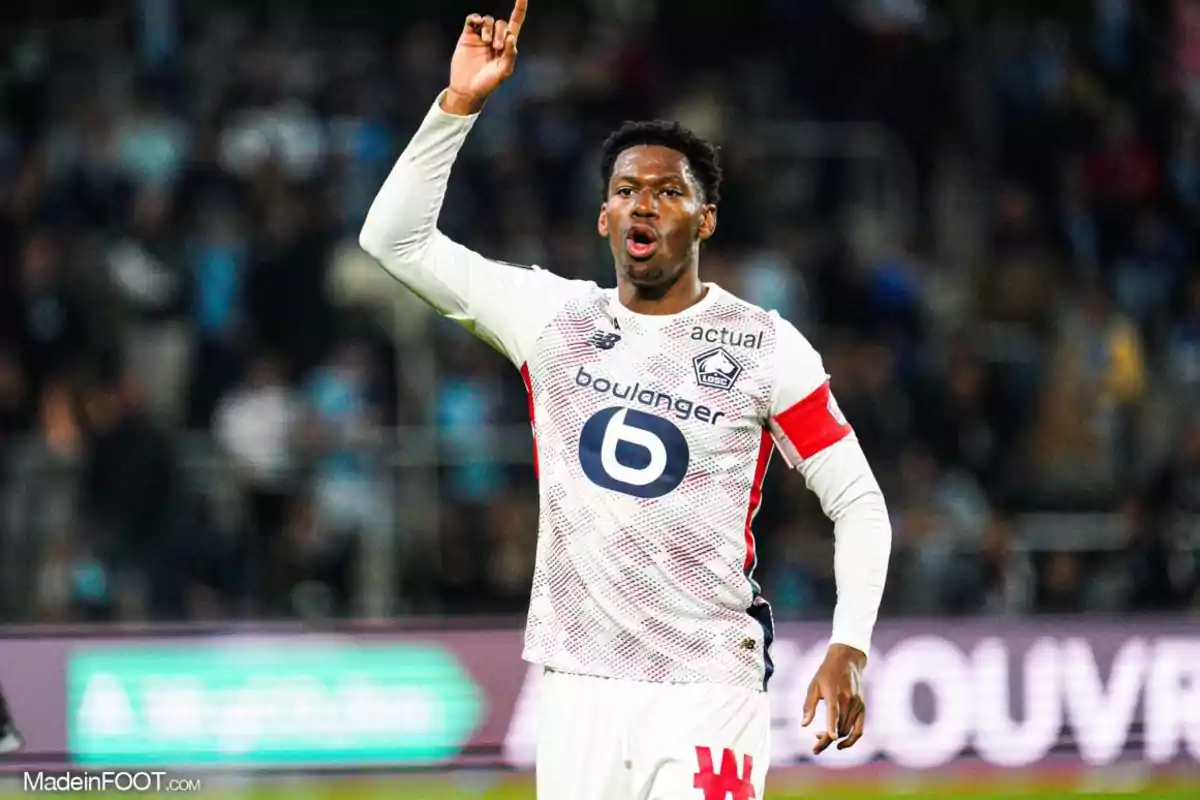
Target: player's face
[[655, 216]]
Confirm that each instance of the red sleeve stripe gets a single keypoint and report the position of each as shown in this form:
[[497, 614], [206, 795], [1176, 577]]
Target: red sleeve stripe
[[528, 379], [765, 448], [813, 424]]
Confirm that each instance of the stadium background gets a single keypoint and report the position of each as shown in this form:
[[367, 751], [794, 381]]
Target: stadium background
[[234, 455]]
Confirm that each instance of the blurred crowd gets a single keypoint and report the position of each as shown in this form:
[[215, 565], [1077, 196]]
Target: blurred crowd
[[211, 400]]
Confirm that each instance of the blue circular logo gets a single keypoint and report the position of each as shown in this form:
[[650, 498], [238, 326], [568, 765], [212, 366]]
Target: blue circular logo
[[633, 452]]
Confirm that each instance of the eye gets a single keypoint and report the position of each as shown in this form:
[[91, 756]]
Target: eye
[[625, 191], [672, 193]]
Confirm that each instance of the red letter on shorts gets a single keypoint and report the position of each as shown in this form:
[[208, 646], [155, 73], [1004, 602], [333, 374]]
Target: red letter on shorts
[[724, 785]]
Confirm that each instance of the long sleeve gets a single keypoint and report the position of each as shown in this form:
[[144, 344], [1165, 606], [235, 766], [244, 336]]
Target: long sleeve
[[842, 480], [814, 437], [504, 304]]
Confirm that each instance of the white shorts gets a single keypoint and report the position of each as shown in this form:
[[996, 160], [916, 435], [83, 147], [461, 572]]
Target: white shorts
[[606, 739]]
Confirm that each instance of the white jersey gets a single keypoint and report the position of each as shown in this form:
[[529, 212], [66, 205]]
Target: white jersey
[[652, 437]]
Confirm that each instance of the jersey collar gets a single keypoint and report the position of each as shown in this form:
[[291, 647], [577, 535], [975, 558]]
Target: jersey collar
[[620, 313]]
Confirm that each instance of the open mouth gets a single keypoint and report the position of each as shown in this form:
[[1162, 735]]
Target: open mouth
[[641, 241]]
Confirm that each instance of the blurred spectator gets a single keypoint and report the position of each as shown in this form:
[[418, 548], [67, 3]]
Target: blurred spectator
[[1085, 435], [770, 280], [1080, 228], [1122, 172], [1109, 348], [213, 564], [14, 400], [943, 514], [512, 541], [256, 426], [1160, 575], [342, 421], [1149, 273], [1061, 589], [130, 498], [53, 326], [217, 255], [1063, 456], [75, 584], [869, 392], [321, 563], [460, 560], [1020, 292], [286, 279], [468, 403], [146, 271], [996, 578], [797, 573], [954, 416], [1183, 352]]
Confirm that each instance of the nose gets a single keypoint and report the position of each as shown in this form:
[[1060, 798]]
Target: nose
[[646, 205]]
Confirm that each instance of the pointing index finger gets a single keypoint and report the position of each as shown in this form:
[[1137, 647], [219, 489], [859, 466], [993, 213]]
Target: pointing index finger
[[518, 17]]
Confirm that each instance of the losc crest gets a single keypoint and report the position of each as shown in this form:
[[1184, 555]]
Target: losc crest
[[716, 369]]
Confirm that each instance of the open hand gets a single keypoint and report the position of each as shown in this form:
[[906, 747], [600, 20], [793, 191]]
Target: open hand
[[483, 59], [839, 683]]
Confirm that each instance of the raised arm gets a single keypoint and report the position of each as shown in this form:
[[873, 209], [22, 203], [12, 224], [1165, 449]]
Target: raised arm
[[504, 304]]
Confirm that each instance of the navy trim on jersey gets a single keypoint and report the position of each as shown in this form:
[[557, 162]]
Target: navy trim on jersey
[[760, 610]]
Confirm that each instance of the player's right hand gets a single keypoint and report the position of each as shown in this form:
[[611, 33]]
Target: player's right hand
[[483, 59]]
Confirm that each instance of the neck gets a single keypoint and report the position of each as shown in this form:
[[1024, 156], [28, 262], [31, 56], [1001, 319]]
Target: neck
[[679, 296]]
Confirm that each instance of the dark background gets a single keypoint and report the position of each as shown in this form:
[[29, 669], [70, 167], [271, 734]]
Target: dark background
[[214, 406]]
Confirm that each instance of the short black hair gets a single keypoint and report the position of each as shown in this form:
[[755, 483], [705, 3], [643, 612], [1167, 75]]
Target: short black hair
[[701, 154]]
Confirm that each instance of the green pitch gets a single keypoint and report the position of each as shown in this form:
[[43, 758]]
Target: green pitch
[[475, 787], [343, 794], [445, 791]]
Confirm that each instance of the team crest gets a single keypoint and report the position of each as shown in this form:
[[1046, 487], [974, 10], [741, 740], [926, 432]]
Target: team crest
[[716, 369]]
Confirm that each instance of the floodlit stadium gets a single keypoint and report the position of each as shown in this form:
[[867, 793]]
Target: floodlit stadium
[[388, 409]]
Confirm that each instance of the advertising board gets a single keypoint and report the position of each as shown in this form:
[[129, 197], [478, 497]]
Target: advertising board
[[1005, 695]]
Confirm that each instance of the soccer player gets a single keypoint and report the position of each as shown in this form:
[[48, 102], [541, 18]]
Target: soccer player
[[655, 409]]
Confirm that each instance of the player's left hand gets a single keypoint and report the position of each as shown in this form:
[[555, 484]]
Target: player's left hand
[[839, 683]]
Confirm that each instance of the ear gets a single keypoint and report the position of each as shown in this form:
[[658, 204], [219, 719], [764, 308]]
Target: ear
[[602, 223], [708, 221]]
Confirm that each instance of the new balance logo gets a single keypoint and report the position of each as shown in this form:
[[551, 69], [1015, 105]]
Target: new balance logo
[[604, 341], [726, 784]]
